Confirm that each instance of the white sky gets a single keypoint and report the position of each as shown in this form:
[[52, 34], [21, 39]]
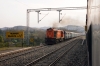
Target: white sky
[[13, 12]]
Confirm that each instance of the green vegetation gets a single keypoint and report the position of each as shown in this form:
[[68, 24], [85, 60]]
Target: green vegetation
[[1, 38], [4, 48], [37, 37]]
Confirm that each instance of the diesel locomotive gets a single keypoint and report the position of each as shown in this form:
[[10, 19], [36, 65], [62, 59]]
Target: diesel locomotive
[[54, 36]]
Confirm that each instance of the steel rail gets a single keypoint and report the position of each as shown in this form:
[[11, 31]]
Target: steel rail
[[13, 52], [82, 42]]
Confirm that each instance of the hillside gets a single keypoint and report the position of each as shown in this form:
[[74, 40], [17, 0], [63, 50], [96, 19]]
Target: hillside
[[69, 27]]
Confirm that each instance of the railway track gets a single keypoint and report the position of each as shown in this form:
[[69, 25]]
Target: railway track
[[22, 58], [55, 55], [6, 57], [77, 56], [60, 56]]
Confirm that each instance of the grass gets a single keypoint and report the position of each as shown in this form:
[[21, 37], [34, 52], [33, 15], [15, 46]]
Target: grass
[[4, 48], [10, 48]]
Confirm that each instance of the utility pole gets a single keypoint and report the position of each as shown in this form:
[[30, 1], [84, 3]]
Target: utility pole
[[59, 14], [38, 15], [27, 27]]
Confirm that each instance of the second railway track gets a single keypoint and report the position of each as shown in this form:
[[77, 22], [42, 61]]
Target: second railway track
[[5, 58]]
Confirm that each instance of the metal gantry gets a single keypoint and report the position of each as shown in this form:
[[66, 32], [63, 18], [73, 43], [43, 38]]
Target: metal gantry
[[48, 9]]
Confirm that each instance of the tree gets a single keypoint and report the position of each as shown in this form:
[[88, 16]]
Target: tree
[[1, 38], [1, 32]]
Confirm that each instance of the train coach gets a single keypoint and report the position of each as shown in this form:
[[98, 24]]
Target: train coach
[[93, 32], [67, 35]]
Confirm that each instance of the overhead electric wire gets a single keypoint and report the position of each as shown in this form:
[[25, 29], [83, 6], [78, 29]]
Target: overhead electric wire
[[64, 7], [55, 9]]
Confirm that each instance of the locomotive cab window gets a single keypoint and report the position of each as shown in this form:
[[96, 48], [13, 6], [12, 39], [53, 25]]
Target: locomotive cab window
[[55, 32]]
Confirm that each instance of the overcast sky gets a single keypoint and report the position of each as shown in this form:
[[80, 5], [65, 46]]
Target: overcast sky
[[13, 12]]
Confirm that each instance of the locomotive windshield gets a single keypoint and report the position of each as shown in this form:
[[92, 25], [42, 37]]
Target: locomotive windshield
[[55, 32]]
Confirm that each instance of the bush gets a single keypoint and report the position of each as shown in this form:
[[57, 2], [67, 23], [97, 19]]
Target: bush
[[1, 45], [1, 38], [6, 44]]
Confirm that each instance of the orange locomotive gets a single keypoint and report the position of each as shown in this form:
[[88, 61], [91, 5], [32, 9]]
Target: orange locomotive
[[54, 36]]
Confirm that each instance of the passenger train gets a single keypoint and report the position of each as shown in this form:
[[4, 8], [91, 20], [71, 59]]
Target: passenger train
[[56, 35], [93, 31]]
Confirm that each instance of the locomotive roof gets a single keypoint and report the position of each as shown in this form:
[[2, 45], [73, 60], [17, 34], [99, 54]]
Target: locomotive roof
[[54, 29], [51, 29]]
